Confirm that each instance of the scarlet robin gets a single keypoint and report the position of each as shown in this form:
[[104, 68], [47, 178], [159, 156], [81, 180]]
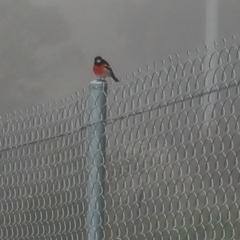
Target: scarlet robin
[[102, 69]]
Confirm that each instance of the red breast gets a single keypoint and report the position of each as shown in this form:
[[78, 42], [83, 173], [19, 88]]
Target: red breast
[[98, 69]]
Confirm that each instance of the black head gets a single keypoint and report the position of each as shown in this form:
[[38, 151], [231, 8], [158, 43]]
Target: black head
[[98, 60]]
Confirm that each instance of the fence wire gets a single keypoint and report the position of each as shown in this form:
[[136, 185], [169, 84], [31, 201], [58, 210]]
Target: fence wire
[[172, 168]]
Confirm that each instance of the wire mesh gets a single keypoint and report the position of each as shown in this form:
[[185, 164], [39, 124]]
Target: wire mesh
[[172, 168]]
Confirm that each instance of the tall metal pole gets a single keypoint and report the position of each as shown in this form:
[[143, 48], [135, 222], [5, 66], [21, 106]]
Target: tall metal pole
[[96, 159], [211, 37], [211, 21]]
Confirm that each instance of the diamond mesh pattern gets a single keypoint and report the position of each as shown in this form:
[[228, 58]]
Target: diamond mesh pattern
[[172, 168]]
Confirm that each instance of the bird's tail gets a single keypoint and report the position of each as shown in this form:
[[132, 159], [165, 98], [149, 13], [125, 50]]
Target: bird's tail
[[114, 77]]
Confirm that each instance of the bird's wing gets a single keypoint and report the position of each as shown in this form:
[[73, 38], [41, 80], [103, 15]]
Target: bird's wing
[[105, 63], [108, 67]]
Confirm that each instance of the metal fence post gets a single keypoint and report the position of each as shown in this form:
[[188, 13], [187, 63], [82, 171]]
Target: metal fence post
[[96, 159]]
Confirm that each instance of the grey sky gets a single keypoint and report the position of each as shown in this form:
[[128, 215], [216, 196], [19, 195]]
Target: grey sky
[[51, 50]]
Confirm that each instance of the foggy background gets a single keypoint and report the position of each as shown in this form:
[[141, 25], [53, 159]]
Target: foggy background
[[47, 46], [160, 165]]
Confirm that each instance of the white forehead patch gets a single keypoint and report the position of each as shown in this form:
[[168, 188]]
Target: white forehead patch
[[98, 60]]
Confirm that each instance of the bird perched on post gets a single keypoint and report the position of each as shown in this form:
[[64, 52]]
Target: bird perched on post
[[102, 69]]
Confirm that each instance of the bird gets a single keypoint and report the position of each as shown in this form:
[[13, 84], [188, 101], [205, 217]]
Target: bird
[[102, 69]]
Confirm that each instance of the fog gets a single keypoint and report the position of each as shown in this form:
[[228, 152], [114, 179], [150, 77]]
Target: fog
[[166, 175], [47, 46]]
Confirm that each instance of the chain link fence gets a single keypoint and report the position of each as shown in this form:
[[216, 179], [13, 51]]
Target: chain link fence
[[155, 157]]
